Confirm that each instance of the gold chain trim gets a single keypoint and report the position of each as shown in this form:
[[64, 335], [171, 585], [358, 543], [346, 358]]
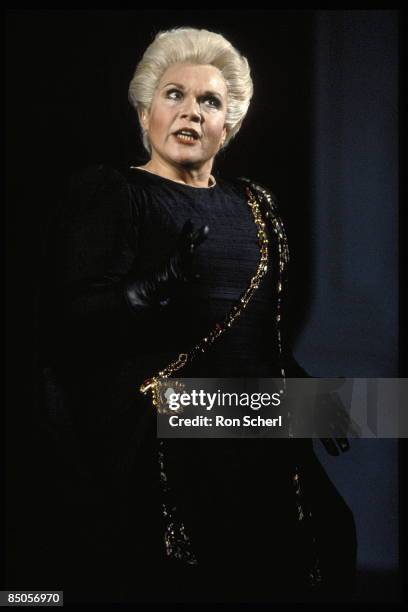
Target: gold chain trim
[[283, 254]]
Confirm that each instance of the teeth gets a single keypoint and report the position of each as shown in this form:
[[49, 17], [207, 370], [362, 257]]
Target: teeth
[[185, 136]]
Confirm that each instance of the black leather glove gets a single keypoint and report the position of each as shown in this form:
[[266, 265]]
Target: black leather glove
[[331, 415], [156, 291]]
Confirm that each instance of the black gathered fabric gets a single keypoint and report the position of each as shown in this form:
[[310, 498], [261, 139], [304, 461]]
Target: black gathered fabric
[[236, 497]]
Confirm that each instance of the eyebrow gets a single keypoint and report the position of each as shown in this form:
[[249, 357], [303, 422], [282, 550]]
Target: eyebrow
[[176, 85], [209, 92]]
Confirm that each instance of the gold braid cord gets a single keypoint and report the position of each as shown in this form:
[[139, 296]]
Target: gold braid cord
[[177, 542]]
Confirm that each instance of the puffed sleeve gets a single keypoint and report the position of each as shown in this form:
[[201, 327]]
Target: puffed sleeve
[[92, 251], [98, 236]]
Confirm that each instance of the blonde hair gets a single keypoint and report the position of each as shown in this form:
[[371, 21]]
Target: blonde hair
[[193, 46]]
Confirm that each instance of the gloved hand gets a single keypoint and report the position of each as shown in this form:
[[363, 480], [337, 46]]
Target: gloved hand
[[157, 290], [331, 416]]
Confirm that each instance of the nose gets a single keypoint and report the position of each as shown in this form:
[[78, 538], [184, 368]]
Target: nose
[[191, 110]]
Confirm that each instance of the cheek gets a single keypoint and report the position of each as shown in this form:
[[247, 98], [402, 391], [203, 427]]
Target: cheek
[[217, 131], [159, 124]]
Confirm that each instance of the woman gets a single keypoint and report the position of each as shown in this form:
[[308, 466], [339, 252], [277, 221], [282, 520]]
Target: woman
[[163, 271]]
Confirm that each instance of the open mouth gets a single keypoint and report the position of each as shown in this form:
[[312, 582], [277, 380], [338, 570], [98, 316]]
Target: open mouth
[[187, 136]]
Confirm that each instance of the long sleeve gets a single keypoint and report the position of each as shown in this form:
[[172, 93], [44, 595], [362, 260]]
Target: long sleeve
[[292, 368]]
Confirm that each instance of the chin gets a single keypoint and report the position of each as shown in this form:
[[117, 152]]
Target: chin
[[187, 157], [187, 160]]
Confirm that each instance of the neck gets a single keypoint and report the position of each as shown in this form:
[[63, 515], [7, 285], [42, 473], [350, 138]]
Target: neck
[[194, 177]]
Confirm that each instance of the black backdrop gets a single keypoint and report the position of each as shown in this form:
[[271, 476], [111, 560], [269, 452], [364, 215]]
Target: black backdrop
[[67, 74]]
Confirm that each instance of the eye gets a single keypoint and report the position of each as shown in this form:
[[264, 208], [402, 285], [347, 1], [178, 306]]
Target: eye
[[212, 102], [174, 94]]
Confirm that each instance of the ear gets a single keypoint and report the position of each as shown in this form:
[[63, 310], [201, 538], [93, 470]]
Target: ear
[[144, 119], [224, 136]]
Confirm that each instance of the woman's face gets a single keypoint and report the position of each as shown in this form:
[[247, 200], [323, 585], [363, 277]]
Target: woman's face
[[186, 121]]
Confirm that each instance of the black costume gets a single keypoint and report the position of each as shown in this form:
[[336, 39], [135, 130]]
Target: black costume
[[262, 517]]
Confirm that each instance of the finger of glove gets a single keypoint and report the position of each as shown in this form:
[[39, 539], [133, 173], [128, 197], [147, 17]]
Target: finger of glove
[[199, 235], [180, 269], [183, 262], [338, 430], [343, 444], [343, 427], [185, 234], [330, 446], [191, 237], [349, 426]]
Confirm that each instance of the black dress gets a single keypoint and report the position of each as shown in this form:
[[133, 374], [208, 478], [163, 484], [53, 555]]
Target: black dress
[[262, 519]]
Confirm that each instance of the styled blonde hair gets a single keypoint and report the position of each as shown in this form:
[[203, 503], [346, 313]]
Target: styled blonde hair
[[193, 46]]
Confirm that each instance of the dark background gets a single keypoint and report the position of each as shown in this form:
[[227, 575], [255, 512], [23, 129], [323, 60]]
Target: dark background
[[321, 132]]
